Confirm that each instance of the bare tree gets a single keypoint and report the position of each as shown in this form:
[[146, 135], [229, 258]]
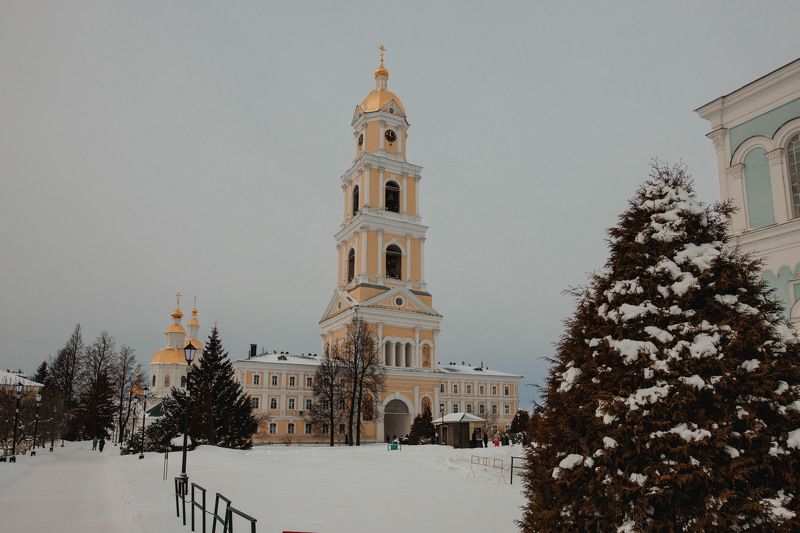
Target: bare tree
[[98, 387], [65, 368], [125, 373], [328, 392], [363, 372]]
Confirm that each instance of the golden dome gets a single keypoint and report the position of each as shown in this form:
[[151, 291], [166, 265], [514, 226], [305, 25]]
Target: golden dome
[[168, 356], [376, 99], [382, 71], [177, 314], [175, 328], [193, 322]]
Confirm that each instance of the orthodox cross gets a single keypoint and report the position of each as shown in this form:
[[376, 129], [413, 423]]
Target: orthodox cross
[[383, 50]]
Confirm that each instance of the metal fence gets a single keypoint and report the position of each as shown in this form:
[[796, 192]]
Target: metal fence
[[518, 466], [224, 513]]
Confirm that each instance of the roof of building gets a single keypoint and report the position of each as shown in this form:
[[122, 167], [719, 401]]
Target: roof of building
[[748, 84], [458, 417], [284, 358], [169, 356], [8, 379], [475, 371], [376, 99]]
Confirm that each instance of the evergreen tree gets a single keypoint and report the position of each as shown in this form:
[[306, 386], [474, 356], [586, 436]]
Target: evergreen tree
[[520, 421], [42, 373], [422, 429], [219, 413], [673, 400]]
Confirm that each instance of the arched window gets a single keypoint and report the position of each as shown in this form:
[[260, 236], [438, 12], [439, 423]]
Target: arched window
[[183, 382], [154, 380], [392, 196], [758, 189], [394, 258], [166, 380], [355, 199], [351, 265], [793, 162]]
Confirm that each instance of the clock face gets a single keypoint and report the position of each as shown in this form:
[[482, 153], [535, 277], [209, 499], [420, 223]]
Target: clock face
[[361, 140], [390, 136]]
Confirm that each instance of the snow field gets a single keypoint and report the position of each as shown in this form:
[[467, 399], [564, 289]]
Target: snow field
[[299, 488]]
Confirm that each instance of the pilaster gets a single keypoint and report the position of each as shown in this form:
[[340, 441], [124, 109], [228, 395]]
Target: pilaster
[[735, 180], [780, 194]]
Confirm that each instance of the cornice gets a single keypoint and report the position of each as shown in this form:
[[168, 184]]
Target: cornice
[[381, 220], [382, 160]]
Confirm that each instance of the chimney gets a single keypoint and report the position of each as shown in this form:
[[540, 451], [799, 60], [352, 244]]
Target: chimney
[[252, 351]]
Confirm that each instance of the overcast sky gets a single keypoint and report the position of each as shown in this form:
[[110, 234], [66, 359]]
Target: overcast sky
[[154, 147]]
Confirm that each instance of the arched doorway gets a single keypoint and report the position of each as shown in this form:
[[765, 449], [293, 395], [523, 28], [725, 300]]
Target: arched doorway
[[396, 419]]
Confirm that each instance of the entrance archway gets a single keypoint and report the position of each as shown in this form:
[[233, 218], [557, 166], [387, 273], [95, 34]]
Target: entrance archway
[[396, 419]]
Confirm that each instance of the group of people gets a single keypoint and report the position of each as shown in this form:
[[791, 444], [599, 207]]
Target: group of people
[[500, 439], [98, 444]]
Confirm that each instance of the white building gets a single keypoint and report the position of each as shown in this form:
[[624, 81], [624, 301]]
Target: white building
[[756, 134]]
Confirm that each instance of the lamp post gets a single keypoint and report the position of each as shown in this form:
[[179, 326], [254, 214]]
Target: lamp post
[[441, 424], [53, 429], [36, 423], [189, 352], [13, 458], [144, 410]]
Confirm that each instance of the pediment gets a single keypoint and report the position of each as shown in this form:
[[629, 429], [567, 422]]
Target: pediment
[[400, 299], [339, 302]]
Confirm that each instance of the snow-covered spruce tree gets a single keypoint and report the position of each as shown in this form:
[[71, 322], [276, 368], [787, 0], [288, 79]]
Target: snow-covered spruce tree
[[422, 429], [672, 403]]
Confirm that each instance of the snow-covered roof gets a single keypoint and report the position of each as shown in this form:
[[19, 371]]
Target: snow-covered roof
[[475, 371], [284, 358], [458, 417], [8, 379]]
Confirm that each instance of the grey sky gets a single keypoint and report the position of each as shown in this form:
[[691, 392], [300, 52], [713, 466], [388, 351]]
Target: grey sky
[[154, 147]]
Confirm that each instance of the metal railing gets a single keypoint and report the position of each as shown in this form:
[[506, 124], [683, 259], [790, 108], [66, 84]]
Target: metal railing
[[518, 467], [223, 513]]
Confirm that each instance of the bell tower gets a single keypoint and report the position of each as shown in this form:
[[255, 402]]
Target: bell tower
[[381, 240]]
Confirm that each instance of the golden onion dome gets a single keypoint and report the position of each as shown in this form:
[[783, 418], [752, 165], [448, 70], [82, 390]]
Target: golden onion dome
[[168, 356], [382, 71], [376, 100], [175, 328], [177, 314]]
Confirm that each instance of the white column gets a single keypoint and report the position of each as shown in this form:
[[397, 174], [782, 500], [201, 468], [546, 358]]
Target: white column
[[399, 359], [779, 192], [404, 181], [382, 348], [363, 252], [383, 138], [390, 350], [400, 142], [422, 260], [417, 352], [408, 260], [381, 259], [346, 202], [435, 349], [365, 203], [736, 193], [382, 194]]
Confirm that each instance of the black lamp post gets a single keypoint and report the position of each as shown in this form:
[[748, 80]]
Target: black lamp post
[[53, 429], [144, 410], [36, 423], [441, 424], [189, 352], [13, 458]]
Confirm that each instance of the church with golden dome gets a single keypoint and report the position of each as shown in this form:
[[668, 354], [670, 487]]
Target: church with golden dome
[[380, 278], [168, 365]]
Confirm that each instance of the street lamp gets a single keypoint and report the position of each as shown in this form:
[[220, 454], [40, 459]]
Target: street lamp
[[189, 352], [36, 423], [13, 458], [441, 424], [144, 410]]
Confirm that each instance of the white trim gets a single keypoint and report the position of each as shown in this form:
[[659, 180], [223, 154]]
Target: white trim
[[758, 141], [786, 132]]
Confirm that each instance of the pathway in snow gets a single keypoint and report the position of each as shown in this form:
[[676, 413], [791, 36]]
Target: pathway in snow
[[72, 490]]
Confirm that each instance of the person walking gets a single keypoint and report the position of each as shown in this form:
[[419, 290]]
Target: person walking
[[485, 440], [94, 444], [102, 444]]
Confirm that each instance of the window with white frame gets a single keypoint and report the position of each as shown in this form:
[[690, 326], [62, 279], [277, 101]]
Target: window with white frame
[[308, 404], [469, 388], [273, 403], [494, 408], [291, 381], [793, 163], [494, 390], [481, 390], [290, 428], [506, 409], [505, 390], [455, 388], [481, 409], [254, 402], [309, 382], [441, 408], [274, 381], [291, 404], [307, 429], [441, 388], [469, 407], [455, 407], [273, 428]]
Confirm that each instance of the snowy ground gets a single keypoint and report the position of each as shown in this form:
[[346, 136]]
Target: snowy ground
[[318, 489]]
